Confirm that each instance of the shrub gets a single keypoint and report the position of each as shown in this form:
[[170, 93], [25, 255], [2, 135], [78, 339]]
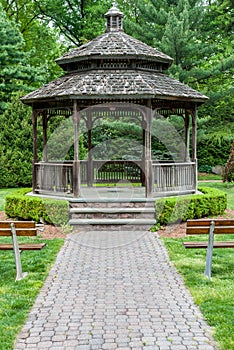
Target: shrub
[[52, 211], [211, 202]]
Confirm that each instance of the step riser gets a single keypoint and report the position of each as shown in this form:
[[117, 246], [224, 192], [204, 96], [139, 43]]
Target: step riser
[[111, 227], [101, 215], [112, 205]]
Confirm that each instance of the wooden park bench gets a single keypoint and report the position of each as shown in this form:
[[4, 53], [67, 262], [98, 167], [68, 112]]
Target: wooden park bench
[[209, 227], [23, 229]]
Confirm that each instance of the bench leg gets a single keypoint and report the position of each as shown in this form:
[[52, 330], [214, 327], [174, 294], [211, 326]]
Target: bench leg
[[209, 251], [19, 274]]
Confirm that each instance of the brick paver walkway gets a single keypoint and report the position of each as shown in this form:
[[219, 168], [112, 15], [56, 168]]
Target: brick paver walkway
[[114, 291]]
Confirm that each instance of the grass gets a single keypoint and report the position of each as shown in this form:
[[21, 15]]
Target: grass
[[17, 298], [209, 177], [215, 297]]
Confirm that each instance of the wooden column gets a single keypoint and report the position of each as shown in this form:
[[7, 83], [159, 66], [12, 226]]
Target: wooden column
[[187, 135], [143, 125], [148, 161], [90, 158], [45, 125], [35, 159], [76, 162], [194, 145]]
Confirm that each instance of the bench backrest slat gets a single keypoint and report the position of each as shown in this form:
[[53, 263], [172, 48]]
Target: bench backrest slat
[[199, 227], [198, 230], [19, 232], [206, 222], [17, 224]]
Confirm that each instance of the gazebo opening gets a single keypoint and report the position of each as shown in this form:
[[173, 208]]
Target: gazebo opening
[[115, 78]]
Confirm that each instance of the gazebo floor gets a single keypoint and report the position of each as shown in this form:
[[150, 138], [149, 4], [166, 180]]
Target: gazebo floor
[[101, 193]]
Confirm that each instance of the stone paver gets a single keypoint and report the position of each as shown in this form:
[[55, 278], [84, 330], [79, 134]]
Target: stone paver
[[114, 290]]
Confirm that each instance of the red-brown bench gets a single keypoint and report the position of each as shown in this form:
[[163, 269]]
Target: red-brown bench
[[209, 227], [19, 228]]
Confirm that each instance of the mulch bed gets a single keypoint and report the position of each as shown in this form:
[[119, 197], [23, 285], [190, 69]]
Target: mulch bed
[[172, 231]]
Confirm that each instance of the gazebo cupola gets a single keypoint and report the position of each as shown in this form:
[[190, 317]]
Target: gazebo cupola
[[115, 68], [114, 19]]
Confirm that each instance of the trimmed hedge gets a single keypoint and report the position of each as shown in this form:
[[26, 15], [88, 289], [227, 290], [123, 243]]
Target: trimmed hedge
[[52, 211], [211, 202]]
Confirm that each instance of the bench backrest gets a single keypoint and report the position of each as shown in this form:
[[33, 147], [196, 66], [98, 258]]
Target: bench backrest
[[23, 228], [199, 227]]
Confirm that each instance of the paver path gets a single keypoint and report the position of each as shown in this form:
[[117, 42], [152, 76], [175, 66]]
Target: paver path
[[114, 290]]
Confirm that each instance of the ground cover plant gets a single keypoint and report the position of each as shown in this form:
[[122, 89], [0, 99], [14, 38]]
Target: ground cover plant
[[214, 297]]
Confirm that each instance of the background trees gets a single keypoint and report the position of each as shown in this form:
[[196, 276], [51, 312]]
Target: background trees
[[197, 34]]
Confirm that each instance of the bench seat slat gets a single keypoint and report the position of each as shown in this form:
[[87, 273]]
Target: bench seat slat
[[227, 244], [32, 246], [199, 230], [19, 232]]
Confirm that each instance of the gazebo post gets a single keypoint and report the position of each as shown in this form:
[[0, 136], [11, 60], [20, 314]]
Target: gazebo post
[[45, 125], [143, 155], [34, 177], [76, 162], [90, 158], [187, 135], [194, 144], [147, 146]]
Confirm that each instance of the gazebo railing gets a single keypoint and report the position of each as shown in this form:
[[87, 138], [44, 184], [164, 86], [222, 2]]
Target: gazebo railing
[[174, 177], [167, 177], [115, 171], [53, 177], [58, 176]]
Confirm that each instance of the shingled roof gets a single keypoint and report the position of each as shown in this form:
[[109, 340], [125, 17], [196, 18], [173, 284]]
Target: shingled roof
[[114, 45], [115, 84], [114, 65]]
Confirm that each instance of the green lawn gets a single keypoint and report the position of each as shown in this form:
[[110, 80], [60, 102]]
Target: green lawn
[[210, 177], [215, 297]]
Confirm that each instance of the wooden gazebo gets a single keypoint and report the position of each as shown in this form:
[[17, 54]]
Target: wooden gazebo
[[115, 75]]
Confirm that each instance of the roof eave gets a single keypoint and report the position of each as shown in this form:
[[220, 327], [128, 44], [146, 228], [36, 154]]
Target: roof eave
[[61, 61], [199, 100]]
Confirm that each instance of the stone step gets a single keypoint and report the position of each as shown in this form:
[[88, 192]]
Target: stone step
[[106, 214], [112, 224], [112, 213], [112, 204]]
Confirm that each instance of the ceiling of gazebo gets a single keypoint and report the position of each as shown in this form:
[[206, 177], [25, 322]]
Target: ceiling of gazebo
[[112, 83]]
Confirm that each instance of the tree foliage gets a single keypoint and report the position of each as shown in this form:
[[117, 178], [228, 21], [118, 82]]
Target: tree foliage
[[14, 69]]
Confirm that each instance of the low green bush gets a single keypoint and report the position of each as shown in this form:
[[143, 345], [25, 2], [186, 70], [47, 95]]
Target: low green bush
[[211, 202], [52, 211]]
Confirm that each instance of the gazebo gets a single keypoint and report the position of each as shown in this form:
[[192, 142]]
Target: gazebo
[[114, 75]]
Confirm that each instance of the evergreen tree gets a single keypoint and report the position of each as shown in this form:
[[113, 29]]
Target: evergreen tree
[[16, 150], [14, 70], [228, 175]]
